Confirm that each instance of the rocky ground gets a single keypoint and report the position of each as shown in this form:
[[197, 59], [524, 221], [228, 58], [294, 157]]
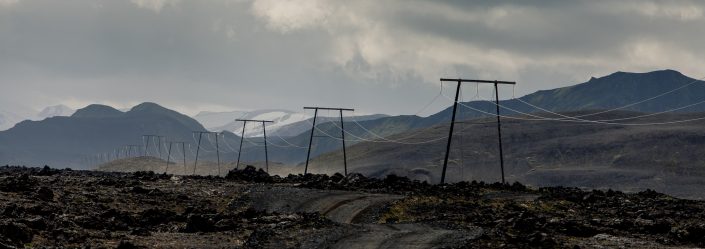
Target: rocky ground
[[44, 207]]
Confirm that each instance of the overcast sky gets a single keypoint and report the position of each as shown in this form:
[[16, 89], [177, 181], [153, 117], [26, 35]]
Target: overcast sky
[[372, 55]]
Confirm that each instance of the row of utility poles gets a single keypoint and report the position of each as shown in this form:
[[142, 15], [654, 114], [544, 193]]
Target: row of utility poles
[[129, 149]]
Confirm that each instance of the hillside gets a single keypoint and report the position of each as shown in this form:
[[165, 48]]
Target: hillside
[[685, 95], [95, 129], [667, 157]]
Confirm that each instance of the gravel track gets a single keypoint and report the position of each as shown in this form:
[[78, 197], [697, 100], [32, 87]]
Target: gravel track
[[351, 207]]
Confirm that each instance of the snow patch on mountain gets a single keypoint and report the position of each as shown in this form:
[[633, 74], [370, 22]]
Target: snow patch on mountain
[[54, 111], [9, 118], [227, 121]]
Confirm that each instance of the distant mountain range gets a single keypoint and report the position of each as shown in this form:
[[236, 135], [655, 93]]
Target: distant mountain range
[[8, 118], [67, 141]]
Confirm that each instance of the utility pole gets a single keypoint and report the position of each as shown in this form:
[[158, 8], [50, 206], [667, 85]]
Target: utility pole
[[342, 132], [168, 157], [452, 122], [264, 130], [159, 146], [239, 150], [159, 141], [134, 147], [217, 149], [126, 150]]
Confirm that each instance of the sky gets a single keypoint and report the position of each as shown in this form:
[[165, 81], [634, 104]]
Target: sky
[[372, 55]]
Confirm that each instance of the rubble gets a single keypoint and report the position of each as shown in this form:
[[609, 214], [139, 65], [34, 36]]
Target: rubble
[[47, 207]]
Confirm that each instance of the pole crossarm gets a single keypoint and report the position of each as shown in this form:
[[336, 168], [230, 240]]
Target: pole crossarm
[[480, 81], [329, 108], [205, 132], [453, 122], [254, 120]]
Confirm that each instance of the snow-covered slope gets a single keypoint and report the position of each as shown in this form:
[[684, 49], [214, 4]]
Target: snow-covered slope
[[54, 111], [281, 119], [214, 120], [8, 118]]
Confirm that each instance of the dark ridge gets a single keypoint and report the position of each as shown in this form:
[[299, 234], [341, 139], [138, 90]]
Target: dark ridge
[[97, 111]]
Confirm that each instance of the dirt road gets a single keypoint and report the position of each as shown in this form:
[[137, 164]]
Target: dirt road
[[360, 210]]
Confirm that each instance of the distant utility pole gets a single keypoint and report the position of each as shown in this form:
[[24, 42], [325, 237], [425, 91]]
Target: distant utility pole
[[134, 147], [452, 122], [126, 150], [217, 149], [264, 130], [168, 157], [159, 141], [342, 133]]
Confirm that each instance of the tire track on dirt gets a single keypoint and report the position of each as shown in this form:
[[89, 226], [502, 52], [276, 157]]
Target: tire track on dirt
[[346, 207]]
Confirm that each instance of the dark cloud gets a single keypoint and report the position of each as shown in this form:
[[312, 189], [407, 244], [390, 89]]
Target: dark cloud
[[376, 56]]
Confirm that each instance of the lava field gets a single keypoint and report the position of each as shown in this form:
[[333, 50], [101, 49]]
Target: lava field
[[52, 208]]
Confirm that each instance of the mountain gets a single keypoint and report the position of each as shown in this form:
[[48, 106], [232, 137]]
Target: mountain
[[53, 111], [683, 95], [212, 120], [8, 118], [281, 118], [67, 141], [650, 92], [296, 128]]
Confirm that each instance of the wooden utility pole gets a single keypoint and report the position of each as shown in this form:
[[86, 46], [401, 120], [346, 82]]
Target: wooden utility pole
[[168, 157], [342, 132], [264, 130], [159, 143], [217, 149], [134, 147], [452, 122]]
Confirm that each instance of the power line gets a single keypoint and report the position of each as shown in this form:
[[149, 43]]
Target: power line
[[452, 123], [264, 130], [200, 136], [168, 157], [342, 133], [645, 100]]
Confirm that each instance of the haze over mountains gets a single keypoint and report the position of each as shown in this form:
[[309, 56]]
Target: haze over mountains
[[8, 118], [535, 149]]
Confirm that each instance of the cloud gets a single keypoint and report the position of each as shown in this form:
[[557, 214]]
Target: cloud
[[376, 56], [681, 10], [428, 39], [289, 15], [154, 5], [8, 2]]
